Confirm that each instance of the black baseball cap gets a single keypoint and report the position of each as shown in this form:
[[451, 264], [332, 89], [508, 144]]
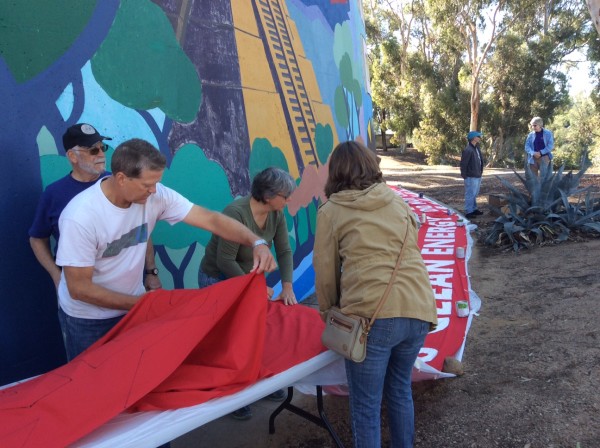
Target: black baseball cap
[[82, 134]]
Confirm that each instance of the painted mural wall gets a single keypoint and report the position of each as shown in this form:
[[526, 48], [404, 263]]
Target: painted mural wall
[[223, 88]]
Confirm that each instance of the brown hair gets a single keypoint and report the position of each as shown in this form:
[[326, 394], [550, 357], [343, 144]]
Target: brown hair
[[135, 155], [352, 167]]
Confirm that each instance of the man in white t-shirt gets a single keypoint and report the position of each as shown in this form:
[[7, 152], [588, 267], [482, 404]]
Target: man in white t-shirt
[[104, 231]]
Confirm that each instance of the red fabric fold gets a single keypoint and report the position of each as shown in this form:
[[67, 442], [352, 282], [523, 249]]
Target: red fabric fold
[[173, 349]]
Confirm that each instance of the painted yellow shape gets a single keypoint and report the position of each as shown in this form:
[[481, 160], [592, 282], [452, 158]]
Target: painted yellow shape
[[265, 115], [267, 118], [254, 68], [243, 16]]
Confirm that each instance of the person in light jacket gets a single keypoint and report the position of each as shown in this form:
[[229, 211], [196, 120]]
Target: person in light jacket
[[539, 145], [360, 232]]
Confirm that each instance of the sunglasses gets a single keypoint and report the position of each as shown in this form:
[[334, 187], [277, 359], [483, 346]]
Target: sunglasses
[[94, 150]]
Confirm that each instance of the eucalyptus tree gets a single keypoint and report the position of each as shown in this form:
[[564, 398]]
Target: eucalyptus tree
[[472, 28], [594, 7], [577, 132], [443, 67], [391, 27], [526, 72]]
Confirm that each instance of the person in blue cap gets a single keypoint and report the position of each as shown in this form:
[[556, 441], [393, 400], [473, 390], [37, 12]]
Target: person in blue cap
[[471, 170]]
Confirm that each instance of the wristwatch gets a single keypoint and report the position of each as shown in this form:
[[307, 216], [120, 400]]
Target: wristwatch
[[259, 242], [151, 271]]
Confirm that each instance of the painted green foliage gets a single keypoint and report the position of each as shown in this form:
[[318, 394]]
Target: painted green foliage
[[141, 65], [290, 226], [33, 37], [324, 142], [52, 166], [312, 217], [302, 228], [343, 44], [348, 95], [201, 181], [264, 155]]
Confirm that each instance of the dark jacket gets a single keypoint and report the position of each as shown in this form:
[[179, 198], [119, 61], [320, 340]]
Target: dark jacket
[[471, 162]]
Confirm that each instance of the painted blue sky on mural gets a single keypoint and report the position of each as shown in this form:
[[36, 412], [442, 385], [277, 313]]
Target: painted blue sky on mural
[[334, 12]]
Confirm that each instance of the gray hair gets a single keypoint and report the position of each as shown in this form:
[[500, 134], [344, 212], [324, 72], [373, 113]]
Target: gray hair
[[272, 182], [537, 120], [133, 156]]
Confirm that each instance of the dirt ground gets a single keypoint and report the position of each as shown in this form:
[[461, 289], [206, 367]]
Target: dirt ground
[[532, 356]]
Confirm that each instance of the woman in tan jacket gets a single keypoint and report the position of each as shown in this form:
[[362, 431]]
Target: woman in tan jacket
[[360, 231]]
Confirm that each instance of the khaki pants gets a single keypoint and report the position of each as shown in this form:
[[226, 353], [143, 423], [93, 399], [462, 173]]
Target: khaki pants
[[537, 163]]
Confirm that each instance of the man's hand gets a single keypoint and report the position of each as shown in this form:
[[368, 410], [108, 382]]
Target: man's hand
[[152, 282], [263, 260], [287, 294], [41, 250], [537, 155]]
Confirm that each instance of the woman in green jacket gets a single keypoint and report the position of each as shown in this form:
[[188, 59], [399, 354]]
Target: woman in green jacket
[[360, 231], [261, 212]]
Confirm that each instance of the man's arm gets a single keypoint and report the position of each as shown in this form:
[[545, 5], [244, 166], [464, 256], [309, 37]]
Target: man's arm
[[232, 230], [41, 250], [81, 287], [151, 281]]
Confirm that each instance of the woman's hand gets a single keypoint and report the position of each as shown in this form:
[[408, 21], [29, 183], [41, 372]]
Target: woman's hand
[[287, 294]]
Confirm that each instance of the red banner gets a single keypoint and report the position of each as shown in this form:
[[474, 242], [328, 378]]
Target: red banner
[[173, 349], [179, 348], [445, 249]]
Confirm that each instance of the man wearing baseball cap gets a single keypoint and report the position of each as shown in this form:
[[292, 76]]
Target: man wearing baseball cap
[[471, 170], [104, 233], [85, 150]]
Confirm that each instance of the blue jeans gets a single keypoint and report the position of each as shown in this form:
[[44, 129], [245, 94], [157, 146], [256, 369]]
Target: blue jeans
[[472, 185], [79, 334], [392, 349], [204, 280]]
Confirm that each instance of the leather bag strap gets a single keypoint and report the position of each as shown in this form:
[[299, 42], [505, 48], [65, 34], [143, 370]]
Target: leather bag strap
[[389, 286]]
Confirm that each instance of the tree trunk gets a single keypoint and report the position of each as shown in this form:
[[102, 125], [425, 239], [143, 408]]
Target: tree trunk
[[474, 104], [496, 151], [594, 7], [383, 131], [384, 140]]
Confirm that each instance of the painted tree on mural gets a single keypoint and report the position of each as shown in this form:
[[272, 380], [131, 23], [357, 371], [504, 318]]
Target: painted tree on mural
[[349, 94], [348, 98], [141, 65], [324, 142]]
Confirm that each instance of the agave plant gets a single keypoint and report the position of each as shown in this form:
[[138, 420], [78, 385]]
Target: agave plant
[[543, 211], [582, 215]]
